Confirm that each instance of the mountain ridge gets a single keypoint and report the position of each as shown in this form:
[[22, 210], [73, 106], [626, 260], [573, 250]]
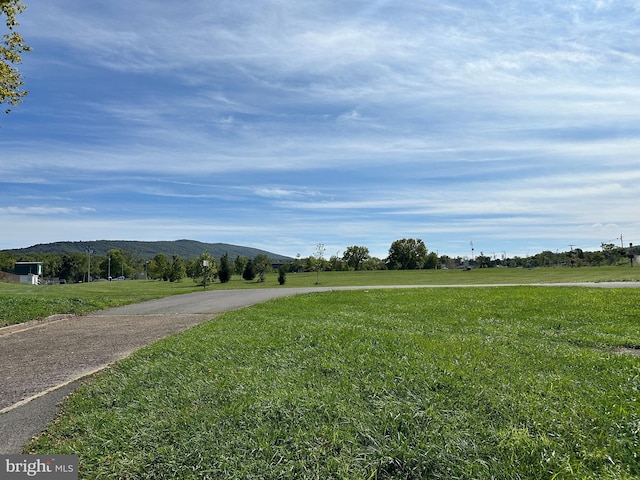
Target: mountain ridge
[[146, 250]]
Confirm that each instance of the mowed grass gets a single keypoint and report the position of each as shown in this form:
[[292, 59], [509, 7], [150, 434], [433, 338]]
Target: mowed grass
[[20, 303], [503, 382], [463, 277]]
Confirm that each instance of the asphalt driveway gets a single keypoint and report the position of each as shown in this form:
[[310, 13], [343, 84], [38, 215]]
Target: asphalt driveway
[[42, 361]]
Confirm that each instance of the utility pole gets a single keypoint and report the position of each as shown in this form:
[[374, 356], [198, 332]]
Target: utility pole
[[89, 252]]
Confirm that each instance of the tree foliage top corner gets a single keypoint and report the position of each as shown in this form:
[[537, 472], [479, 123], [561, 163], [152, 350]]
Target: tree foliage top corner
[[11, 50]]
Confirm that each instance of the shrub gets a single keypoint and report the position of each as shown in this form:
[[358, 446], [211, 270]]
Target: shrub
[[249, 272]]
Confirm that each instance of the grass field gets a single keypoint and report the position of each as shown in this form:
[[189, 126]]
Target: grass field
[[504, 382], [20, 303]]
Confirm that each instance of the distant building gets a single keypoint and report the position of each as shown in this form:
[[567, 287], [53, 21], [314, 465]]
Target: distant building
[[29, 272], [25, 268]]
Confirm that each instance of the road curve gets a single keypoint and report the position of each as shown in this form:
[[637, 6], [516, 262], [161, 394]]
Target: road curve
[[42, 361]]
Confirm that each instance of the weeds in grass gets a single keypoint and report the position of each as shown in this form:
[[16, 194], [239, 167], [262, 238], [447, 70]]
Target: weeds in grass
[[507, 382]]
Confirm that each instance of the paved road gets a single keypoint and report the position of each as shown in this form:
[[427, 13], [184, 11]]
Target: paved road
[[43, 361]]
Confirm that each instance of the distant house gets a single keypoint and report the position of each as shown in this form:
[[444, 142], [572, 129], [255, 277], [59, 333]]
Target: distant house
[[29, 272], [25, 268]]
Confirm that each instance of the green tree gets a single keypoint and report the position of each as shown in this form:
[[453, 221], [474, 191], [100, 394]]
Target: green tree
[[239, 263], [262, 265], [192, 268], [484, 261], [7, 261], [177, 270], [309, 263], [373, 263], [355, 256], [407, 254], [11, 50], [447, 261], [431, 261], [52, 264], [337, 264], [282, 275], [612, 253], [115, 264], [595, 258], [249, 272], [159, 267], [203, 270], [73, 267], [224, 272]]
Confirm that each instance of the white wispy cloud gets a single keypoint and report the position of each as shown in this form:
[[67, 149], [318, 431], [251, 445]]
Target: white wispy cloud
[[351, 121], [43, 211]]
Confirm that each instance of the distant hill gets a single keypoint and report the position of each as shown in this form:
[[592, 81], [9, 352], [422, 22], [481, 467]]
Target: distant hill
[[186, 249]]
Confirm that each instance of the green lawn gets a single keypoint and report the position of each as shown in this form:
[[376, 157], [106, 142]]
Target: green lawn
[[472, 277], [20, 303], [504, 382]]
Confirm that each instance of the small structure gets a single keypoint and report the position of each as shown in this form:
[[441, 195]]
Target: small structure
[[29, 272]]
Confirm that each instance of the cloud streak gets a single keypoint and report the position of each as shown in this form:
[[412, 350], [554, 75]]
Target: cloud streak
[[282, 124]]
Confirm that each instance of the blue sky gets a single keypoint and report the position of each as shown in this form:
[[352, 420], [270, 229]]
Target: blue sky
[[281, 124]]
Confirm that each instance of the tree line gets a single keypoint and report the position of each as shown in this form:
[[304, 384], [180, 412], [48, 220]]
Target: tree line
[[410, 254], [118, 264], [404, 254]]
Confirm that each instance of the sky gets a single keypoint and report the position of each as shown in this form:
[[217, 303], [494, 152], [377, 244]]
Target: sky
[[511, 126]]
